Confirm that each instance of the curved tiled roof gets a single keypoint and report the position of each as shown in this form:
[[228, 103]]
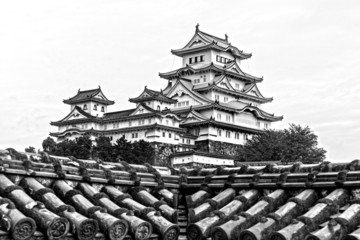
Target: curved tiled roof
[[211, 41], [88, 95], [211, 66], [69, 198], [152, 95]]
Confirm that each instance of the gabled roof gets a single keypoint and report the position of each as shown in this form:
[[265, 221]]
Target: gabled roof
[[149, 95], [75, 116], [234, 106], [201, 41], [187, 86], [262, 114], [142, 106], [118, 114], [94, 95], [194, 116], [214, 85], [130, 114], [248, 88], [227, 69]]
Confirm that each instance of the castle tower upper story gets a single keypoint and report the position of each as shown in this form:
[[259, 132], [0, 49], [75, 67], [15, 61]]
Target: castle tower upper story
[[91, 101]]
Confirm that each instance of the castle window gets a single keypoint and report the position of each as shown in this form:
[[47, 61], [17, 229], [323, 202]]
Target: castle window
[[197, 132], [149, 120], [130, 124], [202, 58], [102, 109], [219, 133], [105, 127], [134, 135], [169, 135], [163, 134], [95, 107], [228, 134], [85, 107], [245, 137], [190, 60], [226, 99], [266, 125], [237, 86], [236, 135], [222, 59], [218, 116], [158, 108], [167, 122], [217, 97], [228, 118], [258, 124], [188, 141]]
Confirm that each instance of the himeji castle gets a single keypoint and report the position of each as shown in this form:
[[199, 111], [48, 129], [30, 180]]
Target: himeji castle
[[208, 108]]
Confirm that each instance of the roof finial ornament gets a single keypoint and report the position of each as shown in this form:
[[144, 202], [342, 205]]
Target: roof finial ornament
[[79, 90], [197, 27], [145, 86], [226, 37]]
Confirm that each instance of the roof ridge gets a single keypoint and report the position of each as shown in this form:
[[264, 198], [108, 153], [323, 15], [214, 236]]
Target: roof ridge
[[90, 90], [132, 109], [213, 36]]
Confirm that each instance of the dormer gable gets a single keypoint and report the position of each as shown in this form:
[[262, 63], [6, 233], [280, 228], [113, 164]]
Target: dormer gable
[[184, 87], [224, 82], [252, 89], [142, 109], [194, 116]]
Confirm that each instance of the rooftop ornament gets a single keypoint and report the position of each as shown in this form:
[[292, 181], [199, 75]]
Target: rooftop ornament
[[197, 27]]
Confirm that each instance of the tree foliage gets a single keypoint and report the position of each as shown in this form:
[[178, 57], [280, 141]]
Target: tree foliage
[[138, 152], [288, 145], [30, 149]]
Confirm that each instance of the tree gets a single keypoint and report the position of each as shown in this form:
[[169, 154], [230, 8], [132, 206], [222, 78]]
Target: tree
[[49, 145], [30, 150], [82, 148], [104, 149], [143, 152], [288, 145], [138, 152]]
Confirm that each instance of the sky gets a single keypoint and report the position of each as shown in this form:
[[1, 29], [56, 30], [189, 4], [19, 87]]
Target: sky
[[307, 51]]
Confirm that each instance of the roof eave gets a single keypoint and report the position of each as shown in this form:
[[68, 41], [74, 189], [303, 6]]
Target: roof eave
[[106, 102]]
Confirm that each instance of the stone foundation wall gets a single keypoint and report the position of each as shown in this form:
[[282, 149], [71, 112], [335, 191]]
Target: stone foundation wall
[[217, 147]]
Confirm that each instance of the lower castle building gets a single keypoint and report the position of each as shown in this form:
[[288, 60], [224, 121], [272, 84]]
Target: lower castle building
[[208, 108]]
